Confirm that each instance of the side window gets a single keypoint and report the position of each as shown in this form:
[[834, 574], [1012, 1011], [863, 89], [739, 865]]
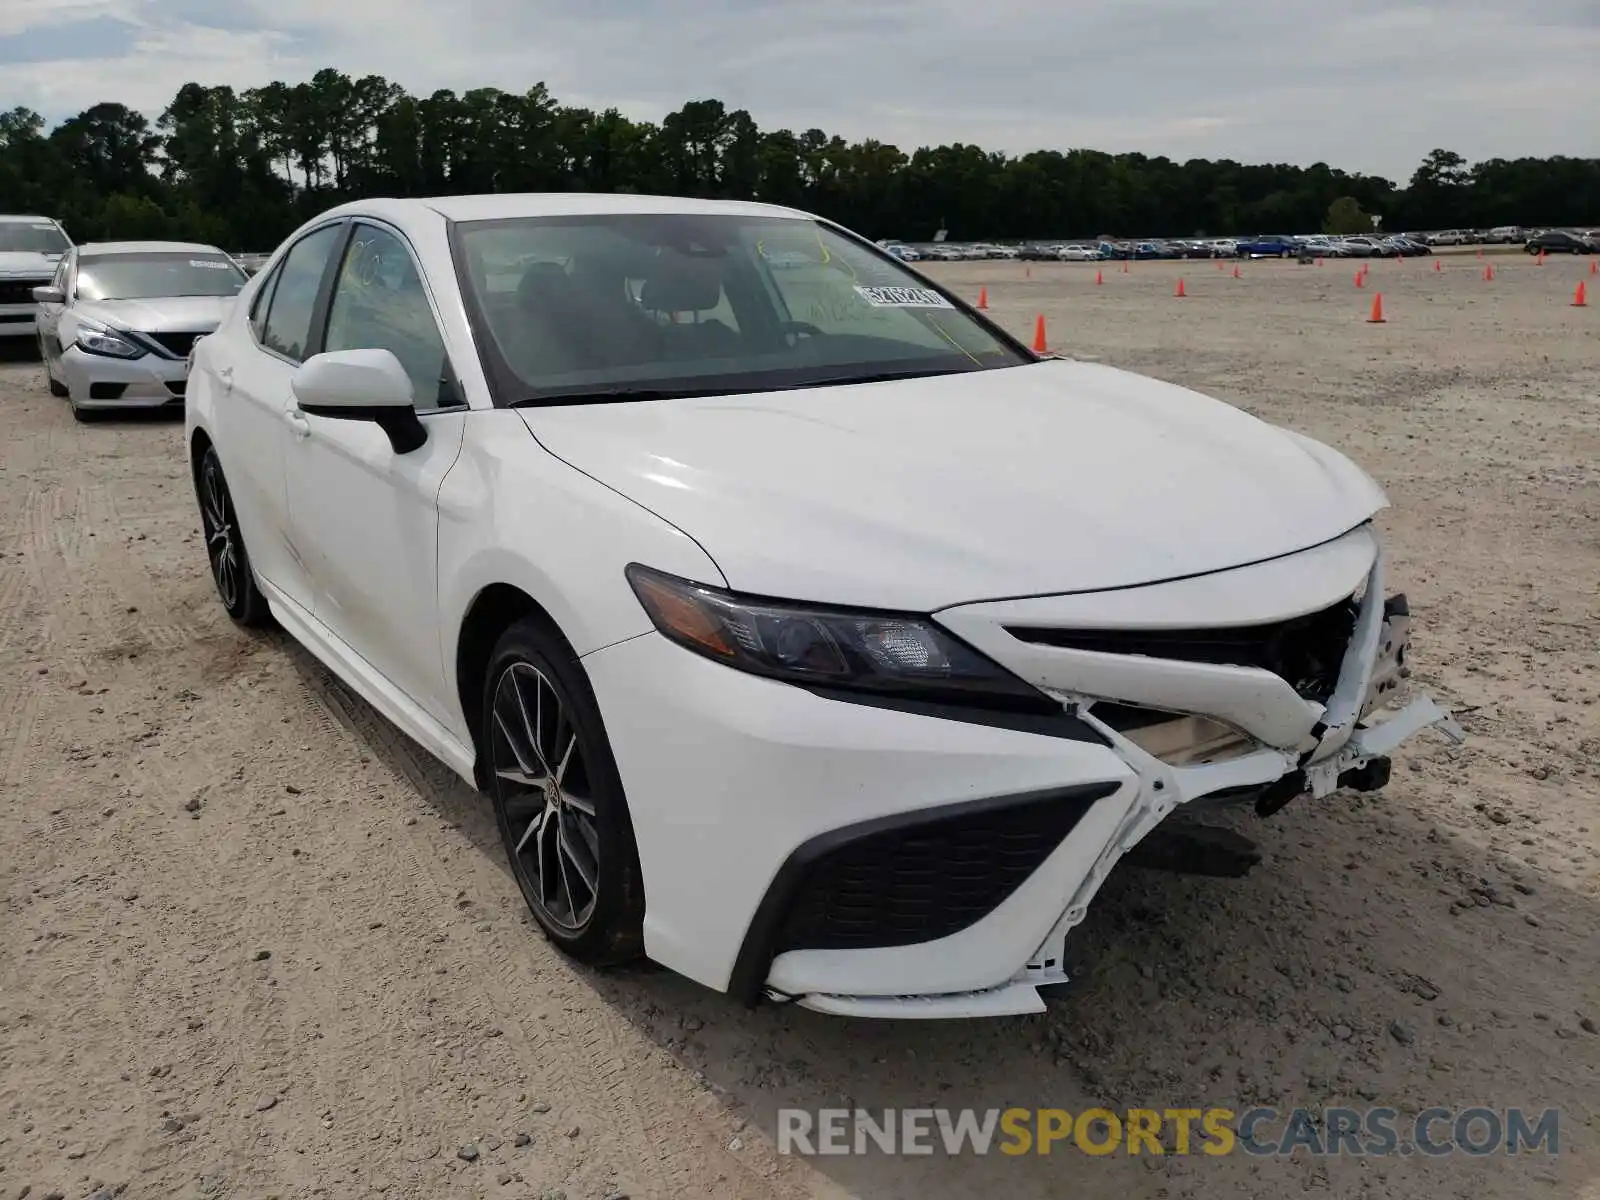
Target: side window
[[60, 280], [379, 303], [288, 327], [259, 306]]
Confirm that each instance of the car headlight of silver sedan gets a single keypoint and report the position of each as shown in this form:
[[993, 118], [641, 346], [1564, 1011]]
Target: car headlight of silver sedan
[[107, 342]]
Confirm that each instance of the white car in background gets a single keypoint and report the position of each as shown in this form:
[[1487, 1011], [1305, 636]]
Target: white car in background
[[1077, 253], [118, 319], [808, 633], [30, 249]]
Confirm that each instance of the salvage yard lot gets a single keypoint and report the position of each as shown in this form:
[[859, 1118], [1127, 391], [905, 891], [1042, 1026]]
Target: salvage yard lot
[[255, 943]]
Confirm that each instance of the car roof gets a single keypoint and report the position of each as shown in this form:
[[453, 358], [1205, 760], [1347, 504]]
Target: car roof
[[89, 248], [22, 219], [548, 204]]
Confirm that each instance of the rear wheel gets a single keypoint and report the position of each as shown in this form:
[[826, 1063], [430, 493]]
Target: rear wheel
[[231, 572], [558, 798]]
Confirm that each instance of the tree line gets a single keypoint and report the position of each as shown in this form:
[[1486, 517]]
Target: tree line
[[242, 168]]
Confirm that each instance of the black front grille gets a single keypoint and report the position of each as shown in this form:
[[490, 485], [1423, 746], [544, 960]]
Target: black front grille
[[175, 343], [20, 291], [1306, 652], [897, 884], [177, 386]]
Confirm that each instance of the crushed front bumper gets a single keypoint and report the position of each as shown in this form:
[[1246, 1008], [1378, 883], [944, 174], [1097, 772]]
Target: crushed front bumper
[[739, 787]]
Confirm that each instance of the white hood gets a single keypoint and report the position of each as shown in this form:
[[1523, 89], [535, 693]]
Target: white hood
[[917, 494], [168, 314], [27, 263]]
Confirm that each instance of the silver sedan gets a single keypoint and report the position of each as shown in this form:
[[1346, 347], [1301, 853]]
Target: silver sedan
[[118, 319]]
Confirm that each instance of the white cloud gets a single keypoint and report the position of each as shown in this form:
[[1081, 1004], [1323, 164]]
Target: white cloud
[[1367, 86]]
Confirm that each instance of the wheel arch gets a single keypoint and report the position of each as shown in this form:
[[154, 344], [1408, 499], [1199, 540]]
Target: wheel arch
[[199, 443], [494, 609]]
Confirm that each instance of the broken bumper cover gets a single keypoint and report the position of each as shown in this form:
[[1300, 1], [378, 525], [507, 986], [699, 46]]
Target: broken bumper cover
[[835, 854]]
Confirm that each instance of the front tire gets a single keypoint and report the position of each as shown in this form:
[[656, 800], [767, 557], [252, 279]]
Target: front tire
[[231, 572], [57, 388], [558, 798]]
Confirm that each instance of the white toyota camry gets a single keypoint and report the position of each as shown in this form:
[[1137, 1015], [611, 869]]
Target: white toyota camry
[[811, 635]]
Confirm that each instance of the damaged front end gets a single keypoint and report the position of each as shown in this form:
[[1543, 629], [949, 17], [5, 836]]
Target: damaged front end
[[1259, 708]]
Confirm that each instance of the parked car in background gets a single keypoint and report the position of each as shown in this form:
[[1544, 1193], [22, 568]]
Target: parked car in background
[[528, 513], [117, 320], [1268, 246], [1361, 245], [1077, 253], [1506, 235], [1559, 241], [1322, 245], [30, 249], [1446, 237]]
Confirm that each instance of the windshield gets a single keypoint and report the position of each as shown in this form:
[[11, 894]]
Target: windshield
[[150, 275], [613, 306], [32, 238]]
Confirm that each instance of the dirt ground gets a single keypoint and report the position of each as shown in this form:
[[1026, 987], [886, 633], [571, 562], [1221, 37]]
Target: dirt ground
[[253, 943]]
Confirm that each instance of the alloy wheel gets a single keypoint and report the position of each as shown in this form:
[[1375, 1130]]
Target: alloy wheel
[[546, 796], [222, 545]]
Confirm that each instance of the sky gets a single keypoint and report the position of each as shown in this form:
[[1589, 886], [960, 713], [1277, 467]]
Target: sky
[[1366, 85]]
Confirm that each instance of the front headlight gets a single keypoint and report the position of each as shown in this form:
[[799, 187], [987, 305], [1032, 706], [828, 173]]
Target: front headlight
[[886, 654], [100, 340]]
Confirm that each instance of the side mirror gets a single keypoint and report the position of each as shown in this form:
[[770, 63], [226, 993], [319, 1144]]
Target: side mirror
[[361, 385], [48, 295]]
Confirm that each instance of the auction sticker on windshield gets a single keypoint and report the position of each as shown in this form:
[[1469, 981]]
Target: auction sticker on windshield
[[902, 297]]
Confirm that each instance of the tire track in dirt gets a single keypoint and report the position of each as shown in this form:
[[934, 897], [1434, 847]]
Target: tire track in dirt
[[582, 1048]]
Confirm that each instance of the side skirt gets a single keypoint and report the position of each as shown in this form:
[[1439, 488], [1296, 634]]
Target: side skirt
[[370, 684]]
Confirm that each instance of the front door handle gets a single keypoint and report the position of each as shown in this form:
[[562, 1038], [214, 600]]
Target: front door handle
[[297, 422], [226, 375]]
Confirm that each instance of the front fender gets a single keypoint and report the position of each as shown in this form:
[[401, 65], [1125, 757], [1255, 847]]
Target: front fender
[[512, 513]]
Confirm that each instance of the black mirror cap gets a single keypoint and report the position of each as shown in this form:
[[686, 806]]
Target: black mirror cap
[[400, 421]]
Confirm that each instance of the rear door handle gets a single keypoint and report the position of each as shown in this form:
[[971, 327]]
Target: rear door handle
[[226, 375], [297, 422]]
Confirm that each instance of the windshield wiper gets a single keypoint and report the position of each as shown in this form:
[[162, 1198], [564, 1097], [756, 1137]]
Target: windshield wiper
[[617, 394], [880, 377]]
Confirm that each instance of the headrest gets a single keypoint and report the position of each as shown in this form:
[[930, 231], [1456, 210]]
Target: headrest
[[542, 283], [679, 283]]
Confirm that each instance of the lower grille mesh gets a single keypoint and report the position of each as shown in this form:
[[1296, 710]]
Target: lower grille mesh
[[914, 884]]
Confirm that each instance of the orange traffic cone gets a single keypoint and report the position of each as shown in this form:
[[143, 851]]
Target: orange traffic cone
[[1178, 291], [1539, 262], [1377, 310], [1488, 272], [1361, 279], [1594, 266], [1437, 265], [1124, 266], [983, 297], [1236, 274], [1319, 262], [1580, 298], [1099, 278], [1040, 345], [1027, 272]]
